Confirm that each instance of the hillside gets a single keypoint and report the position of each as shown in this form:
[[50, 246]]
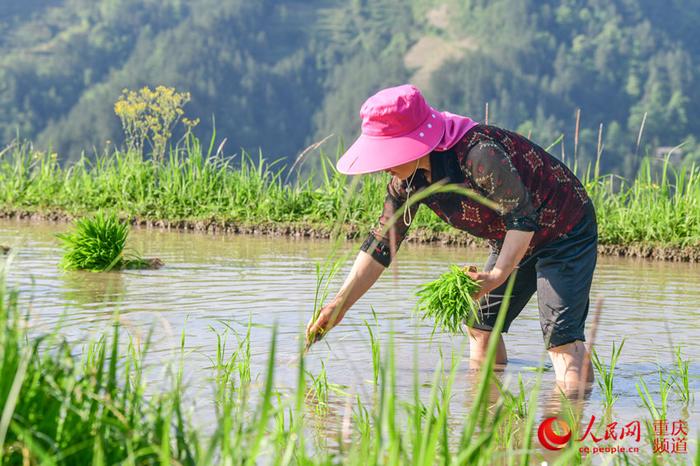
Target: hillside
[[278, 75]]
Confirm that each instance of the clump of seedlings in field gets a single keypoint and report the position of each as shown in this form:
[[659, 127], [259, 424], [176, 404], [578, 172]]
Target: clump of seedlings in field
[[97, 244], [606, 374], [4, 249], [448, 300]]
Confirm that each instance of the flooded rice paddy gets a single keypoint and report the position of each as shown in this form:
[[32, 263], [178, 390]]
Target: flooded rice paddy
[[211, 282]]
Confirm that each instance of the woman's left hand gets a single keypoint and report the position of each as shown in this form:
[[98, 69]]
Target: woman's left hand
[[488, 281]]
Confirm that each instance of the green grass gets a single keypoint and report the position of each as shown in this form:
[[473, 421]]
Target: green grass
[[448, 300], [660, 207]]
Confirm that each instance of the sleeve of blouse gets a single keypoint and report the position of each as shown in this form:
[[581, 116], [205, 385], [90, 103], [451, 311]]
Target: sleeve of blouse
[[491, 169], [379, 242]]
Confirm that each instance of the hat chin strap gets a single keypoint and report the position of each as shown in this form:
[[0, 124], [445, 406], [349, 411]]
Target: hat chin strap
[[409, 188]]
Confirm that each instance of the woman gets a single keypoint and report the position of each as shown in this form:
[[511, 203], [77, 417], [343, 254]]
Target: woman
[[544, 223]]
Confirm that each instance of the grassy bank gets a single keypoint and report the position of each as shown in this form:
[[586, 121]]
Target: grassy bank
[[65, 405], [658, 211]]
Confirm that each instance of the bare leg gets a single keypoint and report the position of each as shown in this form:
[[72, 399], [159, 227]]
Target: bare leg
[[569, 361], [479, 343]]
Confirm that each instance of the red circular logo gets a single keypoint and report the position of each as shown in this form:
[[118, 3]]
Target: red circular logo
[[550, 439]]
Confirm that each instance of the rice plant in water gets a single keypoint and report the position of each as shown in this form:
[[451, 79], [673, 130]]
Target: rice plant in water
[[324, 277], [656, 412], [516, 404], [448, 300], [97, 244], [318, 392], [375, 346], [681, 380], [606, 374]]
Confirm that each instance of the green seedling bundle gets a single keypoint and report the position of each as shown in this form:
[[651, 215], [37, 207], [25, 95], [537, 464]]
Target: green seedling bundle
[[97, 244], [449, 300]]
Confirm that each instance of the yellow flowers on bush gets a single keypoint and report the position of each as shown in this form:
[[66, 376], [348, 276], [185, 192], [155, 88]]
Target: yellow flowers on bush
[[150, 115]]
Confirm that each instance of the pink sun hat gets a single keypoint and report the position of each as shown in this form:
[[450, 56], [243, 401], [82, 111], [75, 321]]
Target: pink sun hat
[[398, 126]]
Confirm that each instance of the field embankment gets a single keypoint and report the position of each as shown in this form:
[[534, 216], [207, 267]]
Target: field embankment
[[655, 216]]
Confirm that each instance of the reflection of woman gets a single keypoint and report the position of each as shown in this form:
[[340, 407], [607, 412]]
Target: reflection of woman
[[544, 225]]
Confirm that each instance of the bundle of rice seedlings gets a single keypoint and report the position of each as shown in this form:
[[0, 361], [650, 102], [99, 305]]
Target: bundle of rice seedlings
[[97, 244], [4, 249], [448, 300]]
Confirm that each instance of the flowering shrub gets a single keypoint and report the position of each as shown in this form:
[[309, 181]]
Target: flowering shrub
[[150, 115]]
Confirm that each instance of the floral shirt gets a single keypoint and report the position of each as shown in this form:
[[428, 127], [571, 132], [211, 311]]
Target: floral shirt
[[532, 191]]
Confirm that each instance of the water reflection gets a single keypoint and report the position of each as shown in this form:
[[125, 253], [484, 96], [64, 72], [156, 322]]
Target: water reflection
[[89, 290]]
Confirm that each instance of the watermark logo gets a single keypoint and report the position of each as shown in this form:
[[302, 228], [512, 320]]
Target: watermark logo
[[549, 438], [668, 437]]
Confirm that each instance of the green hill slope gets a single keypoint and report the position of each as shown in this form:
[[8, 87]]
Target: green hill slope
[[281, 74]]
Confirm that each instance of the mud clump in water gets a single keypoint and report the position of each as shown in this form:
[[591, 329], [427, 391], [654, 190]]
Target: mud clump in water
[[143, 264]]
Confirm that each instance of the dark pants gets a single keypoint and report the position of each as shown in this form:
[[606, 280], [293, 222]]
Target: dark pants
[[561, 273]]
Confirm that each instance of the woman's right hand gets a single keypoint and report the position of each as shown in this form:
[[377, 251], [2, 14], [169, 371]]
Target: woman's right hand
[[365, 271], [329, 316]]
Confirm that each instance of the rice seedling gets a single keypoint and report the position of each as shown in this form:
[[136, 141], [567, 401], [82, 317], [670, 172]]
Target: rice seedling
[[363, 423], [665, 385], [375, 347], [448, 300], [681, 379], [606, 374], [515, 404], [97, 244], [4, 249], [318, 392], [324, 278]]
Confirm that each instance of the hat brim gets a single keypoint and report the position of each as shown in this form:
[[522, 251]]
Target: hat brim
[[370, 154]]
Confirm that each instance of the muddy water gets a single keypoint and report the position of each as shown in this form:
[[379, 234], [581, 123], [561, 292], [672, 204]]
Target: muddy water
[[210, 282]]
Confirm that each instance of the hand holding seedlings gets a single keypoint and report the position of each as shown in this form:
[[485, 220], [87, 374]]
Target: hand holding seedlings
[[487, 281], [365, 271], [328, 317], [449, 299]]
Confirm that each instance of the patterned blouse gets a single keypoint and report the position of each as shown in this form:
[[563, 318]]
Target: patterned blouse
[[533, 191]]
